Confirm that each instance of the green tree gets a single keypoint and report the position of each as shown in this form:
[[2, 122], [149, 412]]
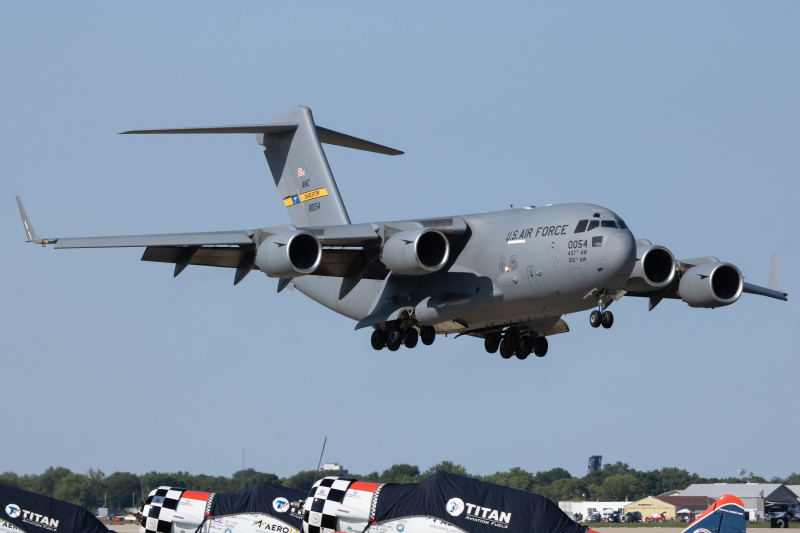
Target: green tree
[[792, 479], [46, 483], [563, 489], [516, 478], [120, 488], [620, 486], [304, 480], [446, 466], [400, 473], [11, 479], [550, 476], [77, 489], [617, 468]]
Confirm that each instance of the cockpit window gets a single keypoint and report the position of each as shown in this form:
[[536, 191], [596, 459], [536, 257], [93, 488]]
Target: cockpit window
[[622, 224], [593, 224], [581, 227], [609, 224]]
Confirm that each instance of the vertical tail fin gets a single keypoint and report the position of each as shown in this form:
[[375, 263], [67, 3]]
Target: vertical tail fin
[[301, 172], [726, 515], [300, 169]]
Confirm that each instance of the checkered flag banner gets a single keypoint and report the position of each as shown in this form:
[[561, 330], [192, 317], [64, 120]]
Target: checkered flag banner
[[159, 507], [327, 494]]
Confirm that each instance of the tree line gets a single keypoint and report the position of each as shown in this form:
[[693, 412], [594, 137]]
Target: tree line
[[613, 482]]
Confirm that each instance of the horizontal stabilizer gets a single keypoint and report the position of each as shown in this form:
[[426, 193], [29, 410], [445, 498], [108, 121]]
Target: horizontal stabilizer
[[340, 139], [253, 128], [324, 134]]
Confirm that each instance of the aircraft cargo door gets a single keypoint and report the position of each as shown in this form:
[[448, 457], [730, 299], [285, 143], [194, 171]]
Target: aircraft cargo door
[[532, 275]]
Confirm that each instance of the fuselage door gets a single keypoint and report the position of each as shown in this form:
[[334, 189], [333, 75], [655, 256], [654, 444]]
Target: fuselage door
[[532, 275]]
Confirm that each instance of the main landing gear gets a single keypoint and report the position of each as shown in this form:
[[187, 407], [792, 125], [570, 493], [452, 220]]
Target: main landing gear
[[601, 317], [512, 343], [395, 336]]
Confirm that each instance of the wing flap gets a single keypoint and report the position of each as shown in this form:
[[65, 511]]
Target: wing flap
[[225, 257]]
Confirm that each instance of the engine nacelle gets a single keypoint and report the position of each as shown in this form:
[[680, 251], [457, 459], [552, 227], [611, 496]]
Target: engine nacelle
[[654, 269], [711, 285], [289, 255], [416, 252]]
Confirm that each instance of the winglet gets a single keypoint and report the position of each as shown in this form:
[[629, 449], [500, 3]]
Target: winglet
[[774, 281], [26, 223]]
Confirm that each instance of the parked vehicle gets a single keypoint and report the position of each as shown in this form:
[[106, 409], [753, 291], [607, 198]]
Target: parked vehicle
[[594, 517], [656, 518], [613, 517], [632, 516]]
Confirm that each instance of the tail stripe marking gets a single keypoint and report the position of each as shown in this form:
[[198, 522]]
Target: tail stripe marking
[[304, 197]]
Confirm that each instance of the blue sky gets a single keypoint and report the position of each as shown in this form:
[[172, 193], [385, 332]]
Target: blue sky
[[682, 117]]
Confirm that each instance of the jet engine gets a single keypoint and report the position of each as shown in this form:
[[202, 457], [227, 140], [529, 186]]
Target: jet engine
[[711, 285], [654, 269], [416, 252], [289, 255]]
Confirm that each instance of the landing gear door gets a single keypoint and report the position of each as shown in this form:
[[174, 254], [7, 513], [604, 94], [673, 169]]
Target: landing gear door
[[532, 275]]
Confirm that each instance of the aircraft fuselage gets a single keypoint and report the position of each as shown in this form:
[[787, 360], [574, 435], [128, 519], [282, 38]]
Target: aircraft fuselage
[[525, 265]]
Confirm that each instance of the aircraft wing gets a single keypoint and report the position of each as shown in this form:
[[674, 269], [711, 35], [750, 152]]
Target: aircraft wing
[[349, 251], [702, 268]]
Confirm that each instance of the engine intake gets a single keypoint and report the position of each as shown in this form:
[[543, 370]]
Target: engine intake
[[654, 269], [416, 252], [711, 285], [289, 255]]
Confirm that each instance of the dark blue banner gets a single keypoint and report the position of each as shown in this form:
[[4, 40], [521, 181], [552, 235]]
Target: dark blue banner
[[39, 514], [474, 506]]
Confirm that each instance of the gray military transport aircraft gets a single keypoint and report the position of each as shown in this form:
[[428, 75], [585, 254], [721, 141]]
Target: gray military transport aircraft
[[507, 276]]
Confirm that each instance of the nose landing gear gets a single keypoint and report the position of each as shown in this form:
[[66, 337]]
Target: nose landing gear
[[601, 317]]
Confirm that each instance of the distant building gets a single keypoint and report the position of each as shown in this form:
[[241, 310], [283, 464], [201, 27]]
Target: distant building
[[595, 462], [586, 507], [108, 512], [753, 495], [333, 467], [669, 505]]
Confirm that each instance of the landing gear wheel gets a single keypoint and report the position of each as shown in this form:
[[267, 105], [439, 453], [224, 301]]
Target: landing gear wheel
[[428, 335], [395, 338], [378, 339], [411, 338], [506, 351], [492, 342], [524, 347], [608, 319], [541, 347], [595, 319]]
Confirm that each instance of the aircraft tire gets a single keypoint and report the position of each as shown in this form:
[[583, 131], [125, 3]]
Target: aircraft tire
[[595, 319], [506, 351], [524, 347], [428, 335], [378, 339], [492, 342], [608, 319], [411, 339], [394, 339], [541, 347]]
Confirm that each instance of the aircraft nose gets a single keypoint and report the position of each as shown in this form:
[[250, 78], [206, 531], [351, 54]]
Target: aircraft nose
[[620, 254]]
